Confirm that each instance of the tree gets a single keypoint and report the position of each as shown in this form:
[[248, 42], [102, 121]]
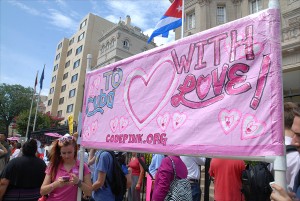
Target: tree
[[42, 121], [13, 100]]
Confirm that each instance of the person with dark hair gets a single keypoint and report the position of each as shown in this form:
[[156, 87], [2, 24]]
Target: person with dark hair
[[137, 175], [292, 157], [62, 174], [22, 177], [17, 152], [6, 145], [296, 142], [3, 152]]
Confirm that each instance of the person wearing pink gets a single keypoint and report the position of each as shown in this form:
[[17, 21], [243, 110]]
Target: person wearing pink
[[227, 179], [62, 175], [165, 176], [137, 175]]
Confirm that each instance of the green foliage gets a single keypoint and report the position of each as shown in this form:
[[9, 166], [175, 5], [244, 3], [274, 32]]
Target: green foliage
[[42, 121], [13, 100]]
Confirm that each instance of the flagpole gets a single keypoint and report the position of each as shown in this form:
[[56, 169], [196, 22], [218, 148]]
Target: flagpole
[[182, 23], [28, 122], [37, 105]]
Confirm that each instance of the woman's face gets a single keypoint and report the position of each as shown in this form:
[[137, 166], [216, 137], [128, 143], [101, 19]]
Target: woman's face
[[67, 152]]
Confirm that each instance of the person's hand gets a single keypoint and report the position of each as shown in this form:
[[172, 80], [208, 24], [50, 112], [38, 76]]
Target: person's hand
[[279, 194], [74, 179], [138, 187], [61, 183]]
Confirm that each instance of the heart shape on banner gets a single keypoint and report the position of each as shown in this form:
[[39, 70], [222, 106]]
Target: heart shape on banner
[[229, 119], [114, 124], [178, 120], [141, 87], [163, 121], [252, 127], [123, 123]]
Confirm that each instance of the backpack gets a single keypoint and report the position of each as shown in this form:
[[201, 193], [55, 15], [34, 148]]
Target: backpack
[[119, 181], [255, 182], [290, 148], [180, 189]]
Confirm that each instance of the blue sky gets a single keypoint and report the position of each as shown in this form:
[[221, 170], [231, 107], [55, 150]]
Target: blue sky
[[31, 29]]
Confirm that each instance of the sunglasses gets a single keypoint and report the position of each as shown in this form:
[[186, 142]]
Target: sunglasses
[[65, 139]]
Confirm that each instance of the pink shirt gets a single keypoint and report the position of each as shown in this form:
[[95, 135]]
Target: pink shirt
[[165, 176], [66, 193]]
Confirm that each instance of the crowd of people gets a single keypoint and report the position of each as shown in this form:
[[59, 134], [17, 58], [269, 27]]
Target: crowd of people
[[30, 172]]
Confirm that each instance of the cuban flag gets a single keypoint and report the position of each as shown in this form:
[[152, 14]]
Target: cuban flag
[[169, 21]]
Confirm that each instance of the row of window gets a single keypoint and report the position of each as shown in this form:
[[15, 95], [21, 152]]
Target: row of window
[[80, 37], [69, 110], [65, 76], [75, 65], [254, 6], [78, 50], [63, 88]]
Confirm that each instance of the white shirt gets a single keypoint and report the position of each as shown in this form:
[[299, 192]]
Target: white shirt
[[192, 165], [292, 165]]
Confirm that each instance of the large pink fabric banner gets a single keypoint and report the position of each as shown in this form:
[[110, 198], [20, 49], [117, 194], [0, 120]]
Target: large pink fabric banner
[[218, 92]]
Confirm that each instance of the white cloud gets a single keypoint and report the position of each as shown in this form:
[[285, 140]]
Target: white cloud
[[62, 21], [159, 40], [139, 11], [22, 6], [61, 3]]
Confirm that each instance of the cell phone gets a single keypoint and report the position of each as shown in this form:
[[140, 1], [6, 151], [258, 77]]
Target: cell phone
[[273, 182], [66, 178]]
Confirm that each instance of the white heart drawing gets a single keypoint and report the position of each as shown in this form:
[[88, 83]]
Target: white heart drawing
[[163, 121], [114, 124], [252, 127], [229, 119], [178, 120], [138, 76], [123, 123]]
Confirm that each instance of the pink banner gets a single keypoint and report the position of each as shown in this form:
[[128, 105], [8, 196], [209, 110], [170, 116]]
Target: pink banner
[[218, 92]]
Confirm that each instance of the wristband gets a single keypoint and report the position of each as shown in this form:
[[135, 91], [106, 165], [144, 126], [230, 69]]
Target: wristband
[[79, 184]]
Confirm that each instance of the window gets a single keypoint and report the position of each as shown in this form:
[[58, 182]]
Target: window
[[78, 50], [76, 64], [221, 15], [67, 64], [126, 44], [59, 113], [69, 52], [70, 108], [72, 93], [63, 88], [74, 78], [51, 90], [55, 67], [83, 24], [191, 24], [59, 46], [49, 102], [80, 37], [61, 100], [65, 76], [255, 6], [53, 78], [57, 56], [71, 41]]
